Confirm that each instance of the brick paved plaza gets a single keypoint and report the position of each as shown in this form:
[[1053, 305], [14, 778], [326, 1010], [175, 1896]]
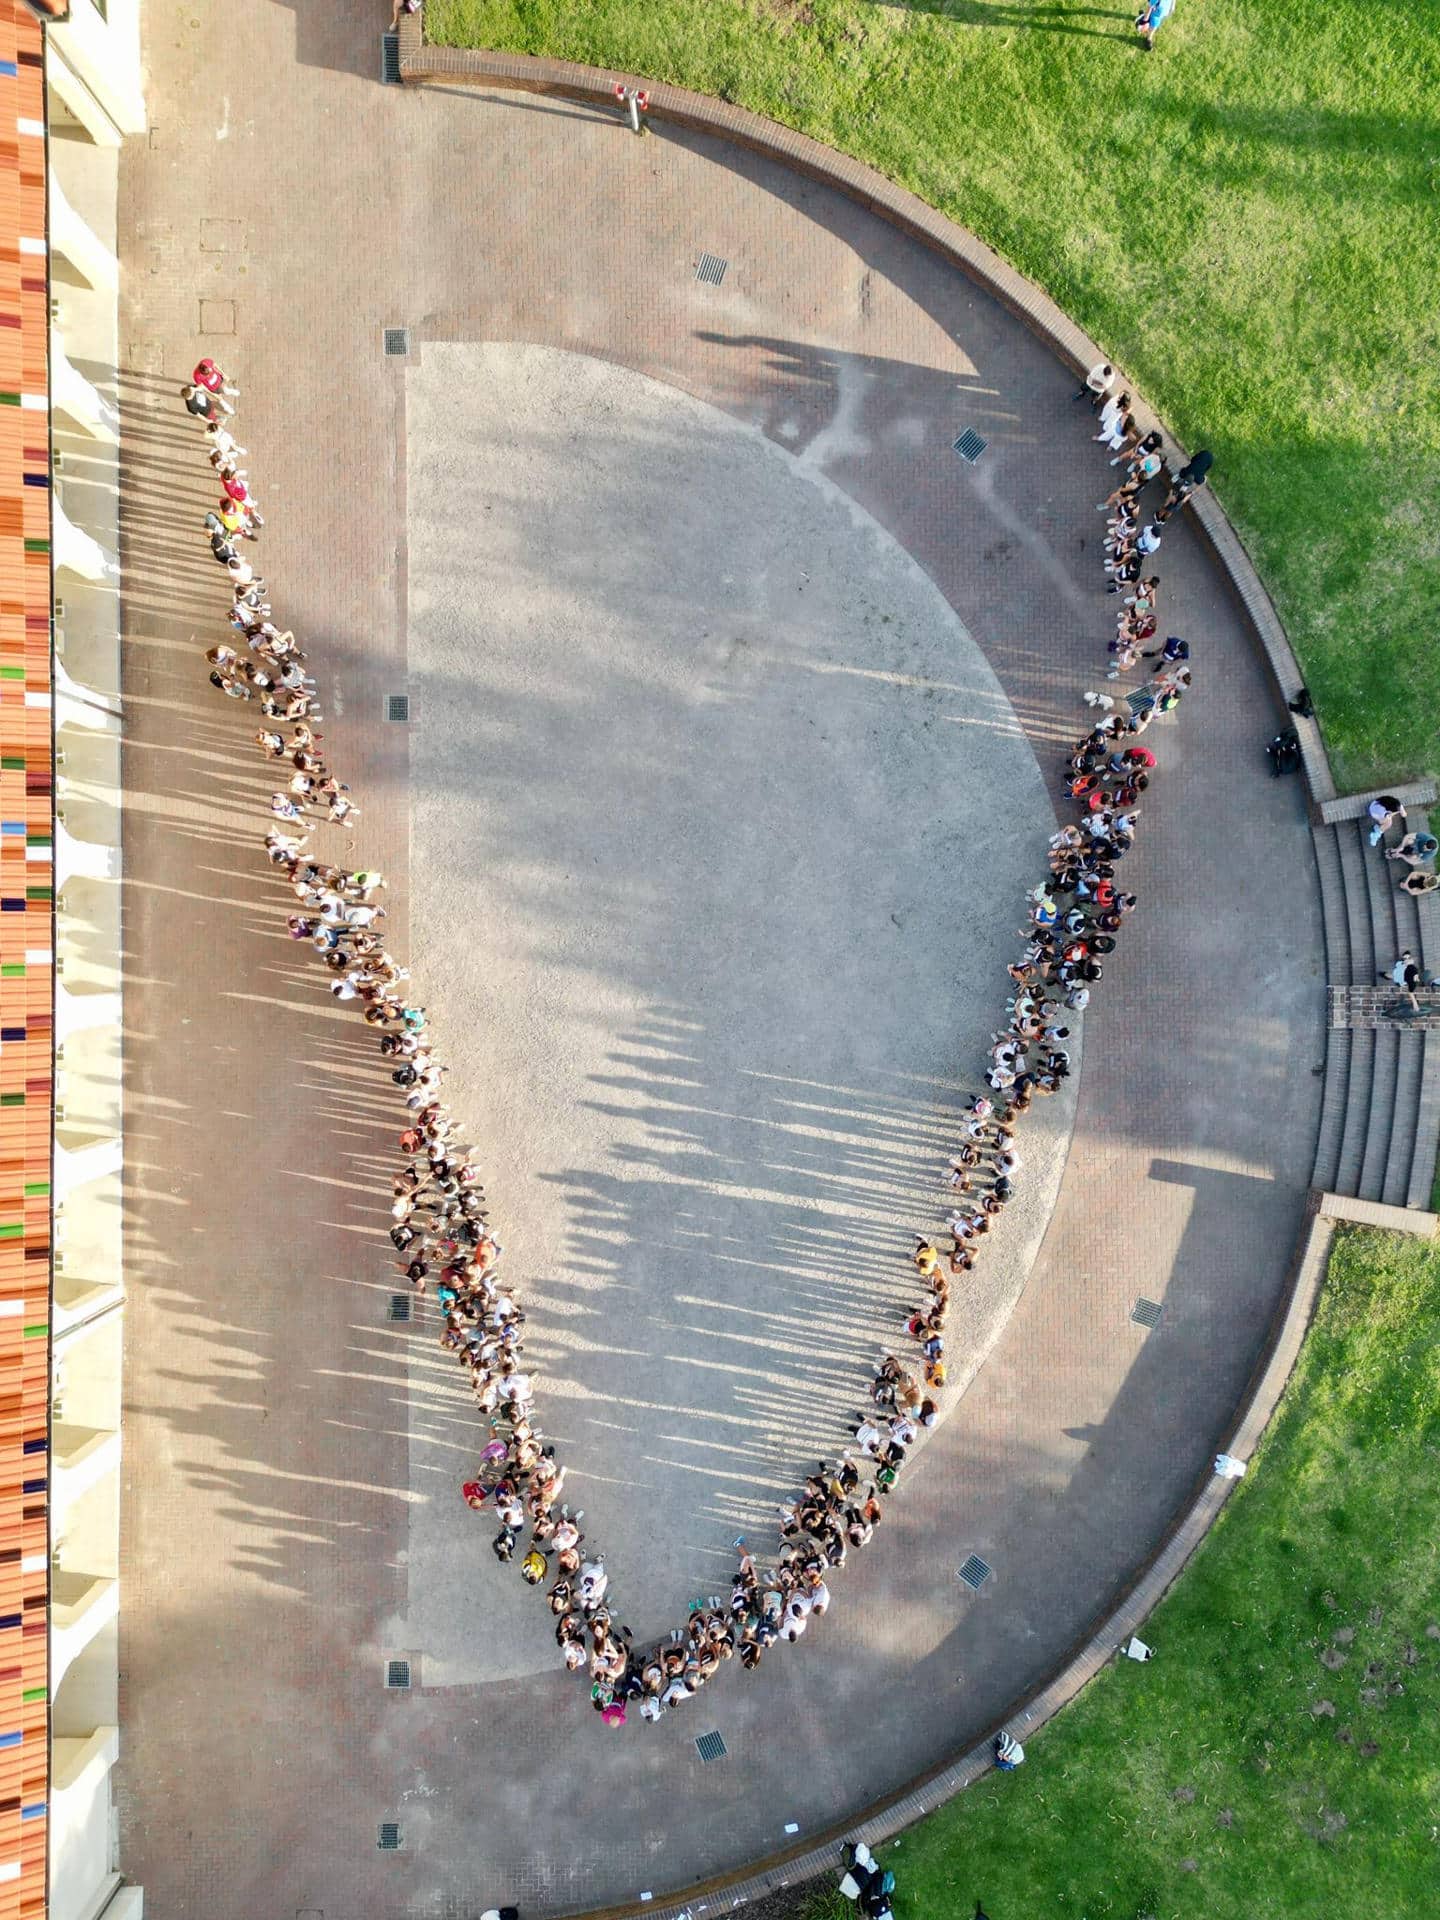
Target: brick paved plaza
[[577, 524]]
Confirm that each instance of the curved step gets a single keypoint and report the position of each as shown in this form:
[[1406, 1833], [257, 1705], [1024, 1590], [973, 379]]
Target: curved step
[[1405, 1126], [1351, 1162], [1394, 925], [1363, 962], [1332, 908], [1427, 1126], [1333, 1102], [1380, 1120]]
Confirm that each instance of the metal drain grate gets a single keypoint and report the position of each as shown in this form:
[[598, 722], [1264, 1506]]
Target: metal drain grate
[[710, 1747], [1146, 1313], [971, 445], [389, 59], [397, 1673], [397, 341], [975, 1572], [389, 1841], [397, 706], [711, 269]]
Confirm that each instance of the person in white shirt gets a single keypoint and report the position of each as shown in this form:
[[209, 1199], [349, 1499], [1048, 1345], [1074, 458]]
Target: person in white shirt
[[1097, 384]]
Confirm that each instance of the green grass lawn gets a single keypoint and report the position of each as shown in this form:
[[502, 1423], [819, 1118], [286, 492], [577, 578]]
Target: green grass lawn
[[1248, 219], [1216, 1783]]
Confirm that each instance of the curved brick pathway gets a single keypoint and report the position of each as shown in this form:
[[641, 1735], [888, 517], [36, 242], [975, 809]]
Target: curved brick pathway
[[267, 1473]]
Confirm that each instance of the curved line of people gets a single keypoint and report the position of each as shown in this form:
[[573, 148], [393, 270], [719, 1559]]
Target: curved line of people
[[441, 1229], [1133, 537]]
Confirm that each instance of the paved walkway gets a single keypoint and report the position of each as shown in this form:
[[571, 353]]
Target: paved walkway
[[270, 1406]]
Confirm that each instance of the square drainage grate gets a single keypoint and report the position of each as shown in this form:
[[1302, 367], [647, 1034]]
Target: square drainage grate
[[397, 1673], [399, 1307], [1146, 1313], [711, 269], [389, 59], [975, 1572], [971, 445], [397, 707], [397, 341], [710, 1747], [389, 1840]]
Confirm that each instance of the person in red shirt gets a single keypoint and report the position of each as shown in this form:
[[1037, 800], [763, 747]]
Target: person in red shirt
[[209, 376]]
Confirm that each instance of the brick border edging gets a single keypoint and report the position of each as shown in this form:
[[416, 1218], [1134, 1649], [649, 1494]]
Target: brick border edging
[[421, 63]]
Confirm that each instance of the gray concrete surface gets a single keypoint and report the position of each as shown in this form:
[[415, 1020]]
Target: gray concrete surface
[[721, 828]]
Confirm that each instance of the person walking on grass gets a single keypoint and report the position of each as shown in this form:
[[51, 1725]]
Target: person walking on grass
[[1150, 19]]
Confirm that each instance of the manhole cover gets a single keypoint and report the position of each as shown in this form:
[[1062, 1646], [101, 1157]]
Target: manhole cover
[[397, 1673], [710, 1747], [975, 1572], [971, 445], [1146, 1313], [711, 269], [397, 341], [397, 706]]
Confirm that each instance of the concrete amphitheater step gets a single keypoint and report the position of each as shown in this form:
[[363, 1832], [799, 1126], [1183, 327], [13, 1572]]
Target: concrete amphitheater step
[[1332, 907], [1351, 1162], [1405, 1124], [1332, 1109], [1393, 922], [1427, 1127], [1426, 1146], [1380, 1119], [1363, 961]]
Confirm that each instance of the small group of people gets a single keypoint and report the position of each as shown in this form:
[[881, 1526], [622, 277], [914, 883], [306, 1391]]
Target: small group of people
[[1414, 851], [440, 1227]]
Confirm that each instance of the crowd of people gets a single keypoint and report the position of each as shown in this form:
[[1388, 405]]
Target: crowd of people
[[440, 1225], [1133, 533]]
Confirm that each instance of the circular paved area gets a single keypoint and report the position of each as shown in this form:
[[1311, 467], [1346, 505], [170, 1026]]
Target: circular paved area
[[708, 760], [272, 1464]]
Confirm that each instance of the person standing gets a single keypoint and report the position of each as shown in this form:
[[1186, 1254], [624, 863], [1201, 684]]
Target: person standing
[[1192, 476], [1097, 383], [1150, 19], [209, 376], [204, 406]]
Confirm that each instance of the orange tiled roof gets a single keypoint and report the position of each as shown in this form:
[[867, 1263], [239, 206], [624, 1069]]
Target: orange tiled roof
[[26, 968]]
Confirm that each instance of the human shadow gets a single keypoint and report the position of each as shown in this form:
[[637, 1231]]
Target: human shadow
[[1041, 16]]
